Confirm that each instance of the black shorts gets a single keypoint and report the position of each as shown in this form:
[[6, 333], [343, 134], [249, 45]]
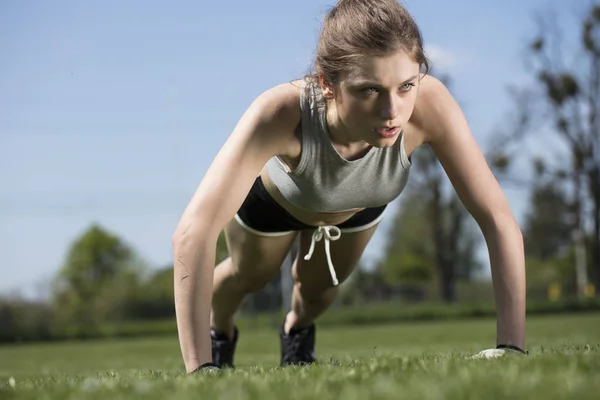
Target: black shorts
[[262, 215]]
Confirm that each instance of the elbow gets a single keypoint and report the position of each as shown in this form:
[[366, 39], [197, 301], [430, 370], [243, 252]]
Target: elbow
[[187, 238], [510, 225], [188, 246], [504, 224], [177, 238], [187, 231], [192, 236]]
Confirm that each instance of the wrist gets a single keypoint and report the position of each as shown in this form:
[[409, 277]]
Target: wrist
[[512, 347]]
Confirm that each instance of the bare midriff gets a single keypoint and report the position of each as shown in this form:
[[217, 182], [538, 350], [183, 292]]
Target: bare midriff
[[308, 217]]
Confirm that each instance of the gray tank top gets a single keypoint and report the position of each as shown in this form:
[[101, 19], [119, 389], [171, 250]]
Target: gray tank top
[[324, 181]]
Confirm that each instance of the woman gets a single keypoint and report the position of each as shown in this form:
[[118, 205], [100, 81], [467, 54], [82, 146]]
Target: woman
[[322, 157]]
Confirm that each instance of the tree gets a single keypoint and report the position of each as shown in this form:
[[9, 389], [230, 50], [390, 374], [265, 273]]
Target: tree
[[547, 229], [547, 234], [408, 255], [99, 273], [432, 235], [451, 226], [571, 100], [155, 296]]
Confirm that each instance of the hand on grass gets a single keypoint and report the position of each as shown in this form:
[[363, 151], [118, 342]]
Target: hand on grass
[[500, 351]]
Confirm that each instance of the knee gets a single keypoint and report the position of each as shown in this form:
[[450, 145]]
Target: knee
[[316, 287], [251, 280], [316, 293]]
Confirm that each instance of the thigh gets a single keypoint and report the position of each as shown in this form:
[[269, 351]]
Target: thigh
[[254, 255], [313, 274]]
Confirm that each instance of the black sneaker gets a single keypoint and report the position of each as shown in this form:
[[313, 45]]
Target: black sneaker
[[298, 348], [223, 348]]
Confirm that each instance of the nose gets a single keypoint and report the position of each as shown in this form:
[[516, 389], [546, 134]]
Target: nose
[[390, 107]]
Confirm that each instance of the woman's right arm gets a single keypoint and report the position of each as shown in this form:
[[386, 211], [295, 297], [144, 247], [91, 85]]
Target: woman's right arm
[[265, 130]]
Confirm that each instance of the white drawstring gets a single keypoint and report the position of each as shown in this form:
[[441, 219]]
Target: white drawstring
[[318, 234]]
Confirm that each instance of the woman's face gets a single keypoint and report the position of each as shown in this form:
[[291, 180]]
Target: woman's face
[[374, 100]]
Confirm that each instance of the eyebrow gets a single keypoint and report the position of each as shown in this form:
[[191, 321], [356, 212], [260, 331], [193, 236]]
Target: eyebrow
[[362, 82]]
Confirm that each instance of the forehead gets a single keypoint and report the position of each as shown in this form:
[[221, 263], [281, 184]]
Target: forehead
[[391, 69]]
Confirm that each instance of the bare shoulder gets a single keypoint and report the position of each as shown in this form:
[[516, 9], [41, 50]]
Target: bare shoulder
[[279, 105], [282, 99], [274, 113], [435, 109]]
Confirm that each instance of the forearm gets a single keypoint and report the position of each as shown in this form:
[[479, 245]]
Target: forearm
[[193, 280], [505, 244]]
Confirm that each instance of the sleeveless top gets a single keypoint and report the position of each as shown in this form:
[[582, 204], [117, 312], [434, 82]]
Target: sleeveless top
[[324, 181]]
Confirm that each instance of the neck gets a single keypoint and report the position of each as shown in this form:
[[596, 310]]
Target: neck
[[338, 132], [341, 139]]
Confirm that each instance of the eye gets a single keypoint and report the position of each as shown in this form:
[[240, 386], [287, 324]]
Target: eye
[[369, 90], [406, 87]]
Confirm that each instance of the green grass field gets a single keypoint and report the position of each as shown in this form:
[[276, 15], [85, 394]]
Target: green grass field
[[416, 360]]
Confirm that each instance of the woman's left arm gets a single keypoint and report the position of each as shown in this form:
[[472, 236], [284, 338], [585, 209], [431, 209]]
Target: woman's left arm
[[446, 130]]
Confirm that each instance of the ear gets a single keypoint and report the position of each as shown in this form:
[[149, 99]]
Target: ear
[[326, 88]]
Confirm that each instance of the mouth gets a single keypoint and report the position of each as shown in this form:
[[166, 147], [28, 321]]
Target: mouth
[[387, 131]]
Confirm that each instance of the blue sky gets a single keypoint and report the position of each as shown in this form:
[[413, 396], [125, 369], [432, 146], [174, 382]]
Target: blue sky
[[111, 112]]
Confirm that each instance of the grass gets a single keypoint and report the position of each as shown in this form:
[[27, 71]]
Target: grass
[[412, 360]]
